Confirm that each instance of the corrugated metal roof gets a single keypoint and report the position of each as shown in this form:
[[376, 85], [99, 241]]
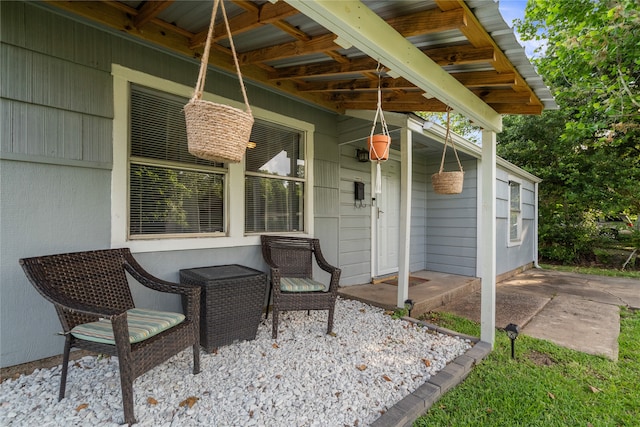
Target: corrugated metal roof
[[276, 39]]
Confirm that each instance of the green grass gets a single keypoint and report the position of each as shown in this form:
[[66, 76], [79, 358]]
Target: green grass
[[546, 385], [593, 270]]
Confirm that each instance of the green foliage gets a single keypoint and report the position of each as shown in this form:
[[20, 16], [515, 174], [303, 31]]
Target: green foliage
[[399, 313], [547, 385], [588, 151], [460, 124]]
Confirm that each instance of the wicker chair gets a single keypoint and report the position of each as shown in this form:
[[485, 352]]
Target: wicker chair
[[87, 286], [292, 284]]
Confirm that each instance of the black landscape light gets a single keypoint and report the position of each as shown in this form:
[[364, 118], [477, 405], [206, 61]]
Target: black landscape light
[[512, 333], [408, 305]]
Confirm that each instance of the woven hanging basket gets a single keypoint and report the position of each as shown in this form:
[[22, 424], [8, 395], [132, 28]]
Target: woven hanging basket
[[448, 182], [217, 132]]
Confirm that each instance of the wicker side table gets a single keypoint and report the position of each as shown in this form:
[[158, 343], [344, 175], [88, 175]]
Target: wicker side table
[[232, 299]]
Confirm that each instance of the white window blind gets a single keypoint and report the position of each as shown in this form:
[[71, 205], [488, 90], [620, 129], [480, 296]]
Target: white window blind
[[275, 180], [171, 192], [514, 211]]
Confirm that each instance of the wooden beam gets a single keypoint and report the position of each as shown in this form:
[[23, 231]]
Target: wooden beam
[[372, 97], [459, 55], [150, 10], [463, 54], [428, 22], [503, 96], [429, 105], [287, 50], [534, 109], [478, 36], [176, 41], [485, 78], [356, 66], [254, 17], [358, 85]]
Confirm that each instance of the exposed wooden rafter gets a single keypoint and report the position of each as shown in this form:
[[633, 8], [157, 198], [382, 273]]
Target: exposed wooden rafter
[[344, 79]]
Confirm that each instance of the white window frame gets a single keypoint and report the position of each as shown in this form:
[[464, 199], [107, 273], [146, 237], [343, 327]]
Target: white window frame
[[234, 206], [518, 240]]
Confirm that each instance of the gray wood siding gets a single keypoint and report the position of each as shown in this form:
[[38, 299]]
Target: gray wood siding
[[452, 222], [418, 243], [56, 107], [355, 222], [508, 257]]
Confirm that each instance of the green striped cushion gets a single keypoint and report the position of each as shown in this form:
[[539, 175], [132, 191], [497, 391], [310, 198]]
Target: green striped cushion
[[142, 324], [299, 284]]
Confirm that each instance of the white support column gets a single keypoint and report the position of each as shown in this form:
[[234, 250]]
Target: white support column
[[405, 215], [487, 238], [535, 227]]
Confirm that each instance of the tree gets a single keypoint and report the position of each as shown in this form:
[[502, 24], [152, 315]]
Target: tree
[[587, 152], [592, 62]]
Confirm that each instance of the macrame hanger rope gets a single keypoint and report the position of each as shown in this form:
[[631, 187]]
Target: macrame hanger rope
[[448, 138], [207, 48], [379, 113], [385, 131]]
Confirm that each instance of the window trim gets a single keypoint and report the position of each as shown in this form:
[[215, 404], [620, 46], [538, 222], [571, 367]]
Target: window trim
[[518, 241], [235, 236]]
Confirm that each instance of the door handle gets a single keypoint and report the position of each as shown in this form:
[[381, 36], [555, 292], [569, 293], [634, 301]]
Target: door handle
[[379, 212]]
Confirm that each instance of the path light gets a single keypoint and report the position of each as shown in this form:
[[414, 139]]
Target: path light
[[512, 333], [408, 305]]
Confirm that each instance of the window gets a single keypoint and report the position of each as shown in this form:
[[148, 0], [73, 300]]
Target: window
[[275, 180], [515, 213], [171, 192], [165, 199]]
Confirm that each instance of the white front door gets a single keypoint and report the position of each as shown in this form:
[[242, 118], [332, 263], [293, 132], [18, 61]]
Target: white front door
[[387, 214]]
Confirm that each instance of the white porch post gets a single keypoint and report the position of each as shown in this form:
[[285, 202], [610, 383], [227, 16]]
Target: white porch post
[[405, 215], [535, 227], [487, 238]]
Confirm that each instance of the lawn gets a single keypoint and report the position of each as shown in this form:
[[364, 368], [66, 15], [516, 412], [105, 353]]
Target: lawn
[[545, 385]]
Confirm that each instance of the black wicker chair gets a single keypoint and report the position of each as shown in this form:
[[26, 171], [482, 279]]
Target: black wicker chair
[[291, 262], [87, 286]]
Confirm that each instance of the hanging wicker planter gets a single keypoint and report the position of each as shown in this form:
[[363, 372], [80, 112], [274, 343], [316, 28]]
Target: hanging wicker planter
[[217, 132], [448, 182]]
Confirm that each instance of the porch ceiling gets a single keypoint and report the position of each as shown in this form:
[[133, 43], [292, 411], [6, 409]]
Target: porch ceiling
[[469, 44]]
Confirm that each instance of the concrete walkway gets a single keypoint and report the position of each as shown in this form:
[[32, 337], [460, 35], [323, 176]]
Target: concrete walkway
[[578, 311], [573, 310]]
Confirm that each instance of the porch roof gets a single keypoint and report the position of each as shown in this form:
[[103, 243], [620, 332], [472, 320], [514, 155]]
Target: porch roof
[[434, 53]]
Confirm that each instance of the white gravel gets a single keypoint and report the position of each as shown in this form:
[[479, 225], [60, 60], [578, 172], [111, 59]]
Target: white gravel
[[304, 378]]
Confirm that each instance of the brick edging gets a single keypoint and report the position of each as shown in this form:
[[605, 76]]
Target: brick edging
[[412, 406]]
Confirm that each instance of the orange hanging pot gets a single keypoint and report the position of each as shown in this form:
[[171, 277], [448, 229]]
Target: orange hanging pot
[[379, 147]]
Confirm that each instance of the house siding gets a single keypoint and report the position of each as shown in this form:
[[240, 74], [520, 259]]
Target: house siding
[[451, 222], [56, 160], [56, 148], [508, 257]]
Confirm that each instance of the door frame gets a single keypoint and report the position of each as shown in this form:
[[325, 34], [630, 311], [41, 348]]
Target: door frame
[[393, 156]]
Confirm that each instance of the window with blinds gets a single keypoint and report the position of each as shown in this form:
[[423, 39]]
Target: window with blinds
[[275, 180], [171, 192], [515, 211]]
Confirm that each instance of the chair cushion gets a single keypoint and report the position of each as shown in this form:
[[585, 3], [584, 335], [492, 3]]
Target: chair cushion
[[300, 284], [142, 324]]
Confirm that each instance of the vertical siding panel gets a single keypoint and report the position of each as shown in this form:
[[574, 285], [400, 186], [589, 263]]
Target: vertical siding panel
[[62, 134], [97, 139], [417, 251], [451, 248], [16, 79], [355, 222], [5, 126]]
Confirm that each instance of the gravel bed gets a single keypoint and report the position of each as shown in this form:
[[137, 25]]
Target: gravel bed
[[304, 378]]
